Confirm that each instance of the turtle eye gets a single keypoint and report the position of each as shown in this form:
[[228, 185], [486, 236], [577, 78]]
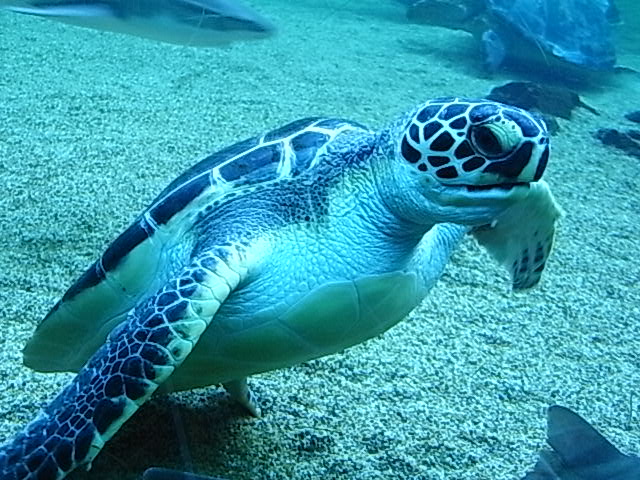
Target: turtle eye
[[486, 141]]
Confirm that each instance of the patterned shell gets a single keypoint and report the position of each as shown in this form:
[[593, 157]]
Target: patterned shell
[[136, 263]]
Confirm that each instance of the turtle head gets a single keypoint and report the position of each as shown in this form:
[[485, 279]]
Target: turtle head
[[466, 160]]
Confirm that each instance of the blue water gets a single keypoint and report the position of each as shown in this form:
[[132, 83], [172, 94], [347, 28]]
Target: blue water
[[93, 125]]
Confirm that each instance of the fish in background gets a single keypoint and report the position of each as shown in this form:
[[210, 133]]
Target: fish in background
[[201, 23], [580, 452]]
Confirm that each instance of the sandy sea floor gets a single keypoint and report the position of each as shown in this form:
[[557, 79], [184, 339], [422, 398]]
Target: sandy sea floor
[[93, 125]]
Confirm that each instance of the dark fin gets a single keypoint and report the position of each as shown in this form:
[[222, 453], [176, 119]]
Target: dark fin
[[580, 452], [576, 442], [548, 467], [633, 116], [157, 473]]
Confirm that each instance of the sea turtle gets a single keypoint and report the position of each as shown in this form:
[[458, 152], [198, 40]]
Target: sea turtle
[[563, 35], [279, 249]]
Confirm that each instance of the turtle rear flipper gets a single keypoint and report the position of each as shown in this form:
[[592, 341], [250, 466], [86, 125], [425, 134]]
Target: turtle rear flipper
[[521, 238], [138, 356]]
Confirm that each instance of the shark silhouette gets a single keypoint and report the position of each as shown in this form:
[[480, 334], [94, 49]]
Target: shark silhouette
[[203, 23], [157, 473], [580, 452]]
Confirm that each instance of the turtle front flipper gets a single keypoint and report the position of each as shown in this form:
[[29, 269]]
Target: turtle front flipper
[[138, 356], [521, 238]]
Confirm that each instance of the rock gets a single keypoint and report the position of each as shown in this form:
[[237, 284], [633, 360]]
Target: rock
[[628, 140]]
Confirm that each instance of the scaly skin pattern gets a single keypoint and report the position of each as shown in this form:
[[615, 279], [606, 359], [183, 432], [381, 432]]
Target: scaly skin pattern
[[138, 356], [283, 248]]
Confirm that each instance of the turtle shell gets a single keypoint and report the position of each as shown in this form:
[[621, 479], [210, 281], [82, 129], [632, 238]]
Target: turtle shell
[[160, 241], [576, 31]]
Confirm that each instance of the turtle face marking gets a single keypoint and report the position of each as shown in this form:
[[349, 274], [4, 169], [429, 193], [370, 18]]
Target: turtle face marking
[[475, 143]]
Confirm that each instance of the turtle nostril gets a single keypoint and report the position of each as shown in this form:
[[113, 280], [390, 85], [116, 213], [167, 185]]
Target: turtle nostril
[[486, 141]]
